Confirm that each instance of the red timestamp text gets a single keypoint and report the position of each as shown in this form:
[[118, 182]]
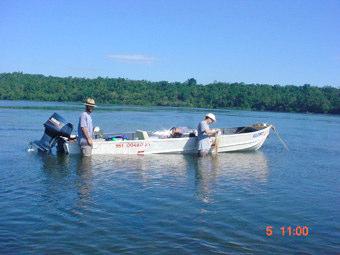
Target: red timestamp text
[[287, 231]]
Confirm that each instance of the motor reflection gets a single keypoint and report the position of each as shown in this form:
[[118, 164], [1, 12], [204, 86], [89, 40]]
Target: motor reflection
[[55, 166], [71, 173]]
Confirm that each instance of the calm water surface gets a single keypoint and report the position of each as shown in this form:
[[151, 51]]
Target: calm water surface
[[167, 204]]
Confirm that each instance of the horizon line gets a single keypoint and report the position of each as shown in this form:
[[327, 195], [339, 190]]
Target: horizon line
[[199, 84]]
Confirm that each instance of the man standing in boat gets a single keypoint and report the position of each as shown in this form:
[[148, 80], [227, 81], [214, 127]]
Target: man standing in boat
[[85, 128], [204, 133]]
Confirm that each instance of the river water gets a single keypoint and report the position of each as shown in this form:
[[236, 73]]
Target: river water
[[167, 204]]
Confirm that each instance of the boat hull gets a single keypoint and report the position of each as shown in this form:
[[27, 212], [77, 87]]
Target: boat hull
[[188, 145]]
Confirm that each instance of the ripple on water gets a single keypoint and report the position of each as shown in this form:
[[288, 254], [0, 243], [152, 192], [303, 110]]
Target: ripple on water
[[170, 203]]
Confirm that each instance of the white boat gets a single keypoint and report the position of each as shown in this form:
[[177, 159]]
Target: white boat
[[248, 138], [58, 134]]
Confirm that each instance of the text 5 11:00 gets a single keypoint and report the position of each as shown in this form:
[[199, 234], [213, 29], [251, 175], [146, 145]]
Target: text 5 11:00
[[289, 231]]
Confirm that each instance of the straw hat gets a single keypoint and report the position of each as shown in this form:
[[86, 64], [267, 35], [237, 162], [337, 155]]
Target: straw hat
[[211, 116], [90, 102]]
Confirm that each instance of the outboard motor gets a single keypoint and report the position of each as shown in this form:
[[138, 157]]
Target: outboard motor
[[55, 128]]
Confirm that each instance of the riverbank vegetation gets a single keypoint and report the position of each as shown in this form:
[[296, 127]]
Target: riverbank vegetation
[[261, 97]]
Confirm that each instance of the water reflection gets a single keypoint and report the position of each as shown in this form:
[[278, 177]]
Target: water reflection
[[246, 169], [146, 168], [206, 170], [205, 174], [251, 166], [85, 180], [243, 168], [234, 165], [60, 175], [57, 167]]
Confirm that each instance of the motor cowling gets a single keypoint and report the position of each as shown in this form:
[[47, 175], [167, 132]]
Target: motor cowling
[[56, 128]]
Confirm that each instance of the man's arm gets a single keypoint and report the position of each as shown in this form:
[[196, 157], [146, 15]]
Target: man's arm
[[88, 137], [210, 132]]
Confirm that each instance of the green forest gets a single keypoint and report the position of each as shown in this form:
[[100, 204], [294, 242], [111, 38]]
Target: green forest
[[259, 97]]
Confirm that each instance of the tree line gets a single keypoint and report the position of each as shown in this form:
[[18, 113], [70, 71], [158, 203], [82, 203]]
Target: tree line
[[260, 97]]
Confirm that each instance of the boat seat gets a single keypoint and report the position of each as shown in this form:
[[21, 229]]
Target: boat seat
[[142, 135]]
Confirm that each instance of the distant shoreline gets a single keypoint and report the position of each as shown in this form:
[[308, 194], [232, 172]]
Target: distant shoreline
[[119, 91]]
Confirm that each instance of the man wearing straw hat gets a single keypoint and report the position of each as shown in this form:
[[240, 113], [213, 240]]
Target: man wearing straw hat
[[85, 128]]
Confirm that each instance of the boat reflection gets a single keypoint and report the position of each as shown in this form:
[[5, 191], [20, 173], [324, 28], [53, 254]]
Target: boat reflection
[[244, 170], [244, 166], [208, 173]]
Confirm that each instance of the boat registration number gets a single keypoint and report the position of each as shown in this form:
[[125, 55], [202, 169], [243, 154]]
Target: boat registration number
[[132, 145]]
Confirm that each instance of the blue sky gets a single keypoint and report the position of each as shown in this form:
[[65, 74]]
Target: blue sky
[[274, 42]]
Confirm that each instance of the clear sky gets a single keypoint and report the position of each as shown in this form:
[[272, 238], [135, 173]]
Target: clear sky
[[274, 42]]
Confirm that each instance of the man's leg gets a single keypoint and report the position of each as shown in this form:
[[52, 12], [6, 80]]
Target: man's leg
[[86, 150]]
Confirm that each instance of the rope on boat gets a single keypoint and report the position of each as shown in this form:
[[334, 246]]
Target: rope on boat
[[279, 137]]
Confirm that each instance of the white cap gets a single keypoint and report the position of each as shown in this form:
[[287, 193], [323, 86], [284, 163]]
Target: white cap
[[211, 116]]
